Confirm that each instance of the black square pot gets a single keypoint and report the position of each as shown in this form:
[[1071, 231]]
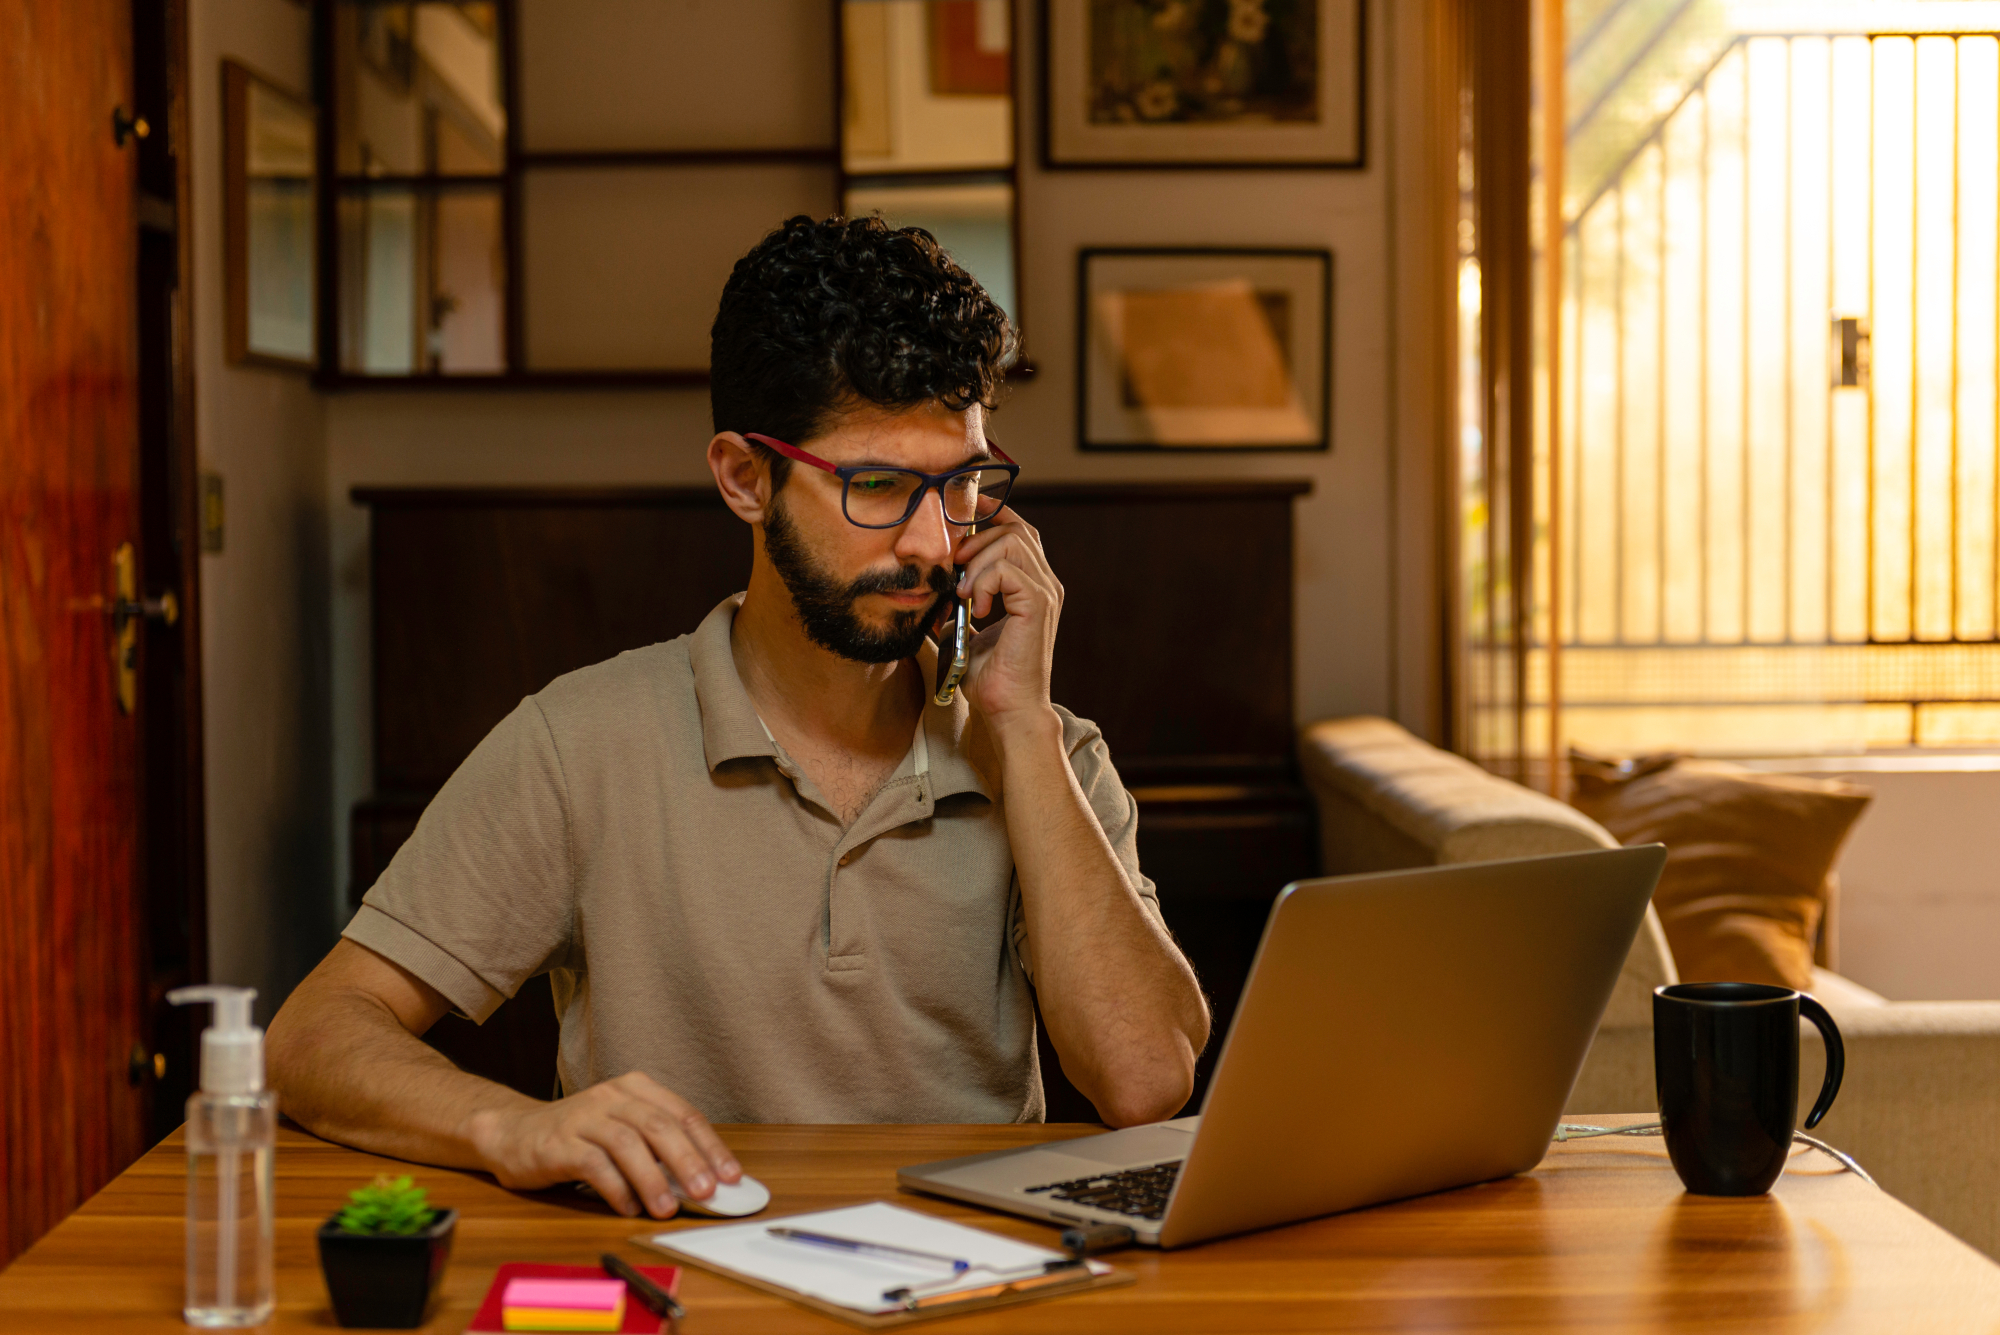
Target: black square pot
[[384, 1281]]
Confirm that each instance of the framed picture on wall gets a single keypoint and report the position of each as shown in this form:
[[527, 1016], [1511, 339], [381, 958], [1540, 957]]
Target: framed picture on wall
[[1204, 349], [1202, 83], [270, 201]]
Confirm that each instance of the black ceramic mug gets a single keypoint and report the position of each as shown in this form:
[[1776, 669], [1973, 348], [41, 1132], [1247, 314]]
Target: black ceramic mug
[[1726, 1059]]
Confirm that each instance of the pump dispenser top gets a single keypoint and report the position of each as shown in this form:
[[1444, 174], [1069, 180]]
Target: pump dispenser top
[[232, 1049]]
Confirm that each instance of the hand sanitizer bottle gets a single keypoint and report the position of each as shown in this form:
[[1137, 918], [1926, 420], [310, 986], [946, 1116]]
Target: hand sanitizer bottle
[[232, 1127]]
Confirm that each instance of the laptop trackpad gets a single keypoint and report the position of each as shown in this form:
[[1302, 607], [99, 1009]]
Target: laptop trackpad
[[1139, 1144]]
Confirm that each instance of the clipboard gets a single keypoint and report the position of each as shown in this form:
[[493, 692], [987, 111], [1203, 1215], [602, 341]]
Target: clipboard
[[1097, 1275]]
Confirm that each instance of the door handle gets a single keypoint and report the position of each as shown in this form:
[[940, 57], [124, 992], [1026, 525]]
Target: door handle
[[141, 1065], [124, 125], [1852, 351], [165, 609], [127, 610]]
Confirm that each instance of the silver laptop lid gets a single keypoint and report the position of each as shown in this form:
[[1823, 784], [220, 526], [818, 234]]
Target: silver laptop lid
[[1406, 1032]]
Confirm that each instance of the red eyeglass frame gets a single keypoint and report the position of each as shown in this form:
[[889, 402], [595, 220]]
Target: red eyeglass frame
[[845, 473]]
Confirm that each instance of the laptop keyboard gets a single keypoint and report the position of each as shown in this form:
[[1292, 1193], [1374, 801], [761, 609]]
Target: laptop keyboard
[[1139, 1192]]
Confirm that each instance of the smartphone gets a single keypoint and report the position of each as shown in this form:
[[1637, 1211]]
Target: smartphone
[[954, 643]]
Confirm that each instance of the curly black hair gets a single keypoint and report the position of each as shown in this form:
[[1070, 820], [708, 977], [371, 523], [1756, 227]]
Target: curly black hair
[[823, 315]]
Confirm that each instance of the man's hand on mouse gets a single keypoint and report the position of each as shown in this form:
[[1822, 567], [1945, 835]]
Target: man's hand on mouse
[[1008, 680], [622, 1137]]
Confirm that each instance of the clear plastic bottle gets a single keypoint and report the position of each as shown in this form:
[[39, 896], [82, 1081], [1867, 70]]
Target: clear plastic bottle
[[232, 1129]]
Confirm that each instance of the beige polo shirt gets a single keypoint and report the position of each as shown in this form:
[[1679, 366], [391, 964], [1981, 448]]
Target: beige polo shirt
[[635, 832]]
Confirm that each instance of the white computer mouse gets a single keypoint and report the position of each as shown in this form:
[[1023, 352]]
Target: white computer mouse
[[729, 1201]]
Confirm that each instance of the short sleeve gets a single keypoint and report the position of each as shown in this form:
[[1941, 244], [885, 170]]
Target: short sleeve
[[1117, 813], [481, 897]]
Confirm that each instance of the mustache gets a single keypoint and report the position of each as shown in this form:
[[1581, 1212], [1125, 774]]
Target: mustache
[[901, 580]]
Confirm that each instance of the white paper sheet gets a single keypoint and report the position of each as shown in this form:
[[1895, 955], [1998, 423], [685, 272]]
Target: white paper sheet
[[844, 1278]]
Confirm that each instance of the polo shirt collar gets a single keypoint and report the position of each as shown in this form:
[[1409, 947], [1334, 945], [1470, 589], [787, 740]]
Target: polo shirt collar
[[730, 728], [960, 751]]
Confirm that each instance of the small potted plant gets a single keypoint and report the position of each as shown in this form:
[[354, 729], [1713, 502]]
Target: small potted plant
[[384, 1254]]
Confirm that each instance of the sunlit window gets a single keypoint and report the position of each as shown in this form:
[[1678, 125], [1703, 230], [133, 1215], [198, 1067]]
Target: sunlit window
[[1779, 422]]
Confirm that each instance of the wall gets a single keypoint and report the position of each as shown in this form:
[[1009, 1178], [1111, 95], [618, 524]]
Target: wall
[[265, 648], [1347, 529], [287, 725], [1918, 912]]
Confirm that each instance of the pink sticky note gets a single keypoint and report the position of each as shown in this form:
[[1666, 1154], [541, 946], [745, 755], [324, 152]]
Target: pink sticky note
[[577, 1295]]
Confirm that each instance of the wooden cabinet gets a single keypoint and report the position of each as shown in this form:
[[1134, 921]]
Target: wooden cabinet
[[1176, 640]]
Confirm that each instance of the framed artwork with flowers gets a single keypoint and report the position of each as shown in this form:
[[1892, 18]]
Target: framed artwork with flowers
[[1202, 83]]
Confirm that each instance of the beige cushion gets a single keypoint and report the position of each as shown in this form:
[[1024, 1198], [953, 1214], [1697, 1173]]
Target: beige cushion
[[1747, 857], [1435, 801], [1839, 994], [1389, 800]]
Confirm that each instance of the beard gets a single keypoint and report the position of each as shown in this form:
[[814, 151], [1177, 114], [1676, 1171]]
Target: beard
[[826, 606]]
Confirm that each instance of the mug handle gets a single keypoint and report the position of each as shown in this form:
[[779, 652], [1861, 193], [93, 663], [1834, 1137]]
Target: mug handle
[[1836, 1057]]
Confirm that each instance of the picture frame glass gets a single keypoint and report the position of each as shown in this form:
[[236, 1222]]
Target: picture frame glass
[[927, 128], [926, 86], [972, 219], [420, 121], [1205, 349], [1204, 62], [270, 195], [1194, 83], [282, 228]]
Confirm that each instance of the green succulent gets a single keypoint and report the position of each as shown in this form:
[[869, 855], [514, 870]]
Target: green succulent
[[387, 1205]]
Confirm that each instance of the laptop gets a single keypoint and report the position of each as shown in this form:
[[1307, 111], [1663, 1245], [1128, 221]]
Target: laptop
[[1401, 1033]]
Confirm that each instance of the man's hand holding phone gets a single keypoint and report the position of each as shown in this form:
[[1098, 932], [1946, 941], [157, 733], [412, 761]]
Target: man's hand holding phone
[[954, 638], [1008, 676]]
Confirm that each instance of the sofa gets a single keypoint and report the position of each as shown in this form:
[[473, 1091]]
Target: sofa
[[1920, 1105]]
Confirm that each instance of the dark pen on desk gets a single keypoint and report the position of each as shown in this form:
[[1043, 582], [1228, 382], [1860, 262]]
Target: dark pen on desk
[[652, 1295]]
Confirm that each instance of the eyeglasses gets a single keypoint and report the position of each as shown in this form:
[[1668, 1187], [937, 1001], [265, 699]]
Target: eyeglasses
[[873, 497]]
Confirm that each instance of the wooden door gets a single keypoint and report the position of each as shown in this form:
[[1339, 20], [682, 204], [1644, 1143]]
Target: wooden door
[[71, 926]]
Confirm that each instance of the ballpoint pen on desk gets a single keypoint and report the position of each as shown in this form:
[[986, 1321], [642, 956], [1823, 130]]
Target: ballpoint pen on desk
[[652, 1295], [910, 1294], [862, 1247]]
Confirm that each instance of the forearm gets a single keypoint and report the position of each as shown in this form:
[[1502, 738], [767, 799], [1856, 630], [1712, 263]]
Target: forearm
[[347, 1063], [1121, 1003], [346, 1069]]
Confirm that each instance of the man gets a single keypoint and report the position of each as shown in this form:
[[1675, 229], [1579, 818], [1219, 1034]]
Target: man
[[773, 880]]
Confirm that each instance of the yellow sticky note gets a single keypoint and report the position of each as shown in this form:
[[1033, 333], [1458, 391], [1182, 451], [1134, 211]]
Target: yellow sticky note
[[562, 1318]]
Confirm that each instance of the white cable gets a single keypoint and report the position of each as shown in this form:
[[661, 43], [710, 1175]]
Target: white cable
[[1845, 1160], [1583, 1131]]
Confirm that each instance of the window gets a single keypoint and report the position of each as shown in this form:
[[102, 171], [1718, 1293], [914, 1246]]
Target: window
[[1765, 463]]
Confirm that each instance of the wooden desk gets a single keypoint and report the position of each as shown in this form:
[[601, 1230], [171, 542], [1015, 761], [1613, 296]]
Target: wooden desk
[[1599, 1237]]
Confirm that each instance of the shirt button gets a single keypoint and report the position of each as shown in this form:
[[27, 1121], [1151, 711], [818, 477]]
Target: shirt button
[[846, 858]]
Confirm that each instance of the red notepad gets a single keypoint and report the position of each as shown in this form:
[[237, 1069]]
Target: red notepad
[[639, 1318]]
